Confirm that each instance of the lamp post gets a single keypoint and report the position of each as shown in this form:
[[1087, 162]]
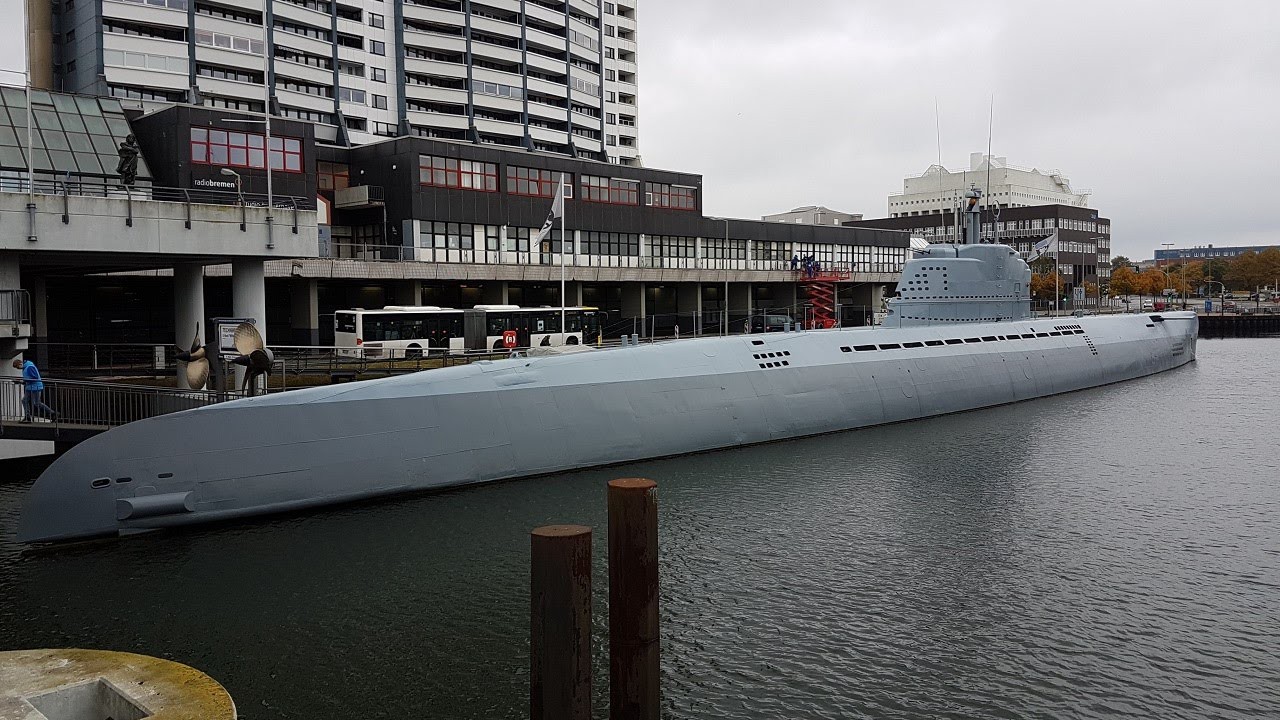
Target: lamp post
[[266, 124], [724, 321], [236, 175], [31, 174], [1222, 310]]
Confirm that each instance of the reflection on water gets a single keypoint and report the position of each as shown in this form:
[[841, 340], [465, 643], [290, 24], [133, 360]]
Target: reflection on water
[[1107, 553]]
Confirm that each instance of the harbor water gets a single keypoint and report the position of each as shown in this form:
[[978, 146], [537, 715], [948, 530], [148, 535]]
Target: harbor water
[[1108, 553]]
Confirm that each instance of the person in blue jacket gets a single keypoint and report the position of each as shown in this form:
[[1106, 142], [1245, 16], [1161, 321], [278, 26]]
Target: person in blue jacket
[[33, 386]]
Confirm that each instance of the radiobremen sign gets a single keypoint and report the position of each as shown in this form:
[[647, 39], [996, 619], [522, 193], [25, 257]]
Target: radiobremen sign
[[209, 183]]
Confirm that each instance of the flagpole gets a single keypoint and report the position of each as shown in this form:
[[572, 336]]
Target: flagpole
[[563, 209]]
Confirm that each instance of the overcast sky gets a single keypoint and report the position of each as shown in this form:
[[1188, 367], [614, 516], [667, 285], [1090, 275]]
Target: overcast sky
[[1168, 111]]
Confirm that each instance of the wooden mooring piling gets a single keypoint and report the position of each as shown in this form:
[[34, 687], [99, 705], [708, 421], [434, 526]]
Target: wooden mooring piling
[[560, 606]]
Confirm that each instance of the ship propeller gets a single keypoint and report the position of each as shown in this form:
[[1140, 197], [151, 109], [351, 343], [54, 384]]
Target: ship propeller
[[197, 370], [254, 355]]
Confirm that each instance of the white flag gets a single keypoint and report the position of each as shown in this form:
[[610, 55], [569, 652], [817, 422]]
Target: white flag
[[1047, 245], [557, 210]]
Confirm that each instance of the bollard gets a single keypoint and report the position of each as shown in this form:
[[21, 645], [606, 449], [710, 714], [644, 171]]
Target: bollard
[[560, 623], [633, 599]]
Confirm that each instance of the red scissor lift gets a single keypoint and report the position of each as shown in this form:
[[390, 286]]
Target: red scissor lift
[[820, 292]]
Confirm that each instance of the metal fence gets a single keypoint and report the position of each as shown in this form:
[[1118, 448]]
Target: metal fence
[[15, 307], [98, 404]]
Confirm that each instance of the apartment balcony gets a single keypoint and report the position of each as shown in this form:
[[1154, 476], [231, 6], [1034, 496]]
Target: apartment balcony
[[141, 77], [546, 15], [497, 52], [500, 127], [233, 58], [439, 120], [306, 73], [304, 101], [544, 39], [546, 135], [150, 14], [436, 15], [496, 76], [510, 105], [434, 41], [495, 27], [586, 7], [300, 14], [430, 93], [546, 64], [435, 67], [231, 27], [323, 48]]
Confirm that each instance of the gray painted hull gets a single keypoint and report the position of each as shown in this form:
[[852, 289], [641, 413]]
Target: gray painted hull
[[513, 418]]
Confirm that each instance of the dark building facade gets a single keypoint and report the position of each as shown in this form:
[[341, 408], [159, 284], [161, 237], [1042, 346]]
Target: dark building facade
[[1084, 253]]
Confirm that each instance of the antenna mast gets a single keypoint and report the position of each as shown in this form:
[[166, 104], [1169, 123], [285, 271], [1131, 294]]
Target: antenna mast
[[991, 113]]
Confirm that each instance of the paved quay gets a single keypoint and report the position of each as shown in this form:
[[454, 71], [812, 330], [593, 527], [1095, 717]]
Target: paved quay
[[71, 684]]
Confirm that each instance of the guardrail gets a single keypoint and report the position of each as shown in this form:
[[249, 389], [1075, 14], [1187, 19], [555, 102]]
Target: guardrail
[[15, 308], [99, 404], [111, 188]]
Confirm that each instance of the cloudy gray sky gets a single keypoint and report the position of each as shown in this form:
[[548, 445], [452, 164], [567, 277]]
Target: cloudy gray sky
[[1169, 111]]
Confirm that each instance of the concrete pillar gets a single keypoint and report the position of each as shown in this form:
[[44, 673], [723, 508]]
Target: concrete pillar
[[739, 306], [689, 307], [249, 299], [10, 347], [40, 319], [633, 305], [408, 292], [494, 293], [188, 311], [304, 311]]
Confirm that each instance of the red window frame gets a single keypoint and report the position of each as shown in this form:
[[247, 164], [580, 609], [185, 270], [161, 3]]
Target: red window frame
[[672, 197], [436, 171], [610, 191], [532, 182], [235, 148]]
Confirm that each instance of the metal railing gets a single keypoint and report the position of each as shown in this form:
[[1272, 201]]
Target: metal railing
[[15, 308], [470, 256], [99, 404], [82, 186]]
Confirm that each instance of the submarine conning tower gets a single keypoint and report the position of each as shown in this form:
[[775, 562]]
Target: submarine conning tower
[[946, 284]]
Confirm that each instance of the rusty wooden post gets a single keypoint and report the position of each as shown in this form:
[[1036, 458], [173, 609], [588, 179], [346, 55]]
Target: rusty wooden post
[[633, 599], [560, 623]]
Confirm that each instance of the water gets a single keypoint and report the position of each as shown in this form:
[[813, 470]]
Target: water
[[1109, 553]]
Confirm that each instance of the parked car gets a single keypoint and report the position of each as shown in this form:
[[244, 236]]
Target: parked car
[[1148, 305], [1228, 304], [770, 323]]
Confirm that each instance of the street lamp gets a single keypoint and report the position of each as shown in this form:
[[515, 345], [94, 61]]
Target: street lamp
[[724, 321], [236, 175], [1222, 310]]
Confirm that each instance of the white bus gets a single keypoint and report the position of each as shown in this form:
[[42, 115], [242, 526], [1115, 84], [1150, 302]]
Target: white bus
[[410, 331]]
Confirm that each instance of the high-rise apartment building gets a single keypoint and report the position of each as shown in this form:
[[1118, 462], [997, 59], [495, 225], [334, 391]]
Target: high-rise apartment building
[[941, 190], [550, 75]]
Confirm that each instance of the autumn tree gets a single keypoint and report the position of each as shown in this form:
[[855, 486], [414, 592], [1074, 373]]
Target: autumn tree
[[1124, 281], [1043, 286], [1120, 261], [1152, 282]]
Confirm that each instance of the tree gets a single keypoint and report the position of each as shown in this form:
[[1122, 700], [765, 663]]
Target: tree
[[1124, 281], [1152, 282], [1120, 261], [1043, 286], [1245, 272]]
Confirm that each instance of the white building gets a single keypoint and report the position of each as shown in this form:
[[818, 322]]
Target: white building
[[813, 215], [939, 189], [550, 75]]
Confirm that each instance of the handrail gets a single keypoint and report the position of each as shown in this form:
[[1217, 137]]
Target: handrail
[[110, 188], [99, 404], [15, 307]]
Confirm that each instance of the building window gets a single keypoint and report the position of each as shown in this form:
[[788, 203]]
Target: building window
[[609, 31], [380, 102], [610, 190], [350, 68], [536, 183], [610, 139], [385, 129], [378, 74], [376, 20], [230, 148], [610, 96], [377, 47], [608, 8], [454, 173], [602, 243], [457, 236], [608, 53], [608, 75], [332, 176], [351, 96], [670, 196]]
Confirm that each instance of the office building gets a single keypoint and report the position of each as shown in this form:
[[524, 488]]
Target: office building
[[1177, 256], [940, 190], [813, 215], [556, 76]]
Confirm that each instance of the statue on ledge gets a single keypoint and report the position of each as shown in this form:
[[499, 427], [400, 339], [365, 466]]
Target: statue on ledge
[[127, 168]]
